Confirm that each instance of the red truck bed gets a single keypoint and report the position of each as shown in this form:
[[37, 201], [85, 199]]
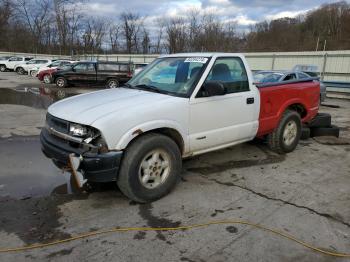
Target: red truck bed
[[277, 97]]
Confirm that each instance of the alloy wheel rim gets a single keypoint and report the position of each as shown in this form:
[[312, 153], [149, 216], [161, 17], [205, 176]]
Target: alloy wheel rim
[[112, 84], [154, 169], [46, 79], [60, 82], [290, 133]]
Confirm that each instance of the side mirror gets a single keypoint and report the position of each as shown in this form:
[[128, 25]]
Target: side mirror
[[213, 88]]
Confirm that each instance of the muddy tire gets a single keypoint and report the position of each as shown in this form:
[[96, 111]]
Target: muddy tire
[[321, 120], [112, 83], [150, 168], [325, 131], [61, 82], [2, 68], [286, 136], [305, 133]]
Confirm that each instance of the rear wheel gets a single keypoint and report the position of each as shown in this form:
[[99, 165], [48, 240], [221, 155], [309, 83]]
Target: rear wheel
[[61, 82], [285, 137], [20, 70], [2, 68], [112, 83], [150, 168]]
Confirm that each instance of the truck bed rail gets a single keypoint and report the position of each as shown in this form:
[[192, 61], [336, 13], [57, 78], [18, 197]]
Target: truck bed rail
[[288, 82]]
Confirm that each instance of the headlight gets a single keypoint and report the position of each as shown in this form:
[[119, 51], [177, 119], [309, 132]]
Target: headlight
[[77, 130]]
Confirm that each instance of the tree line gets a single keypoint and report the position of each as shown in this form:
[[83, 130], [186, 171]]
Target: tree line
[[64, 27]]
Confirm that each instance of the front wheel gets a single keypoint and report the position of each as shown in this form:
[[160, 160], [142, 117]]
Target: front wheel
[[112, 83], [286, 136], [61, 82], [150, 168], [2, 68], [33, 73], [47, 79]]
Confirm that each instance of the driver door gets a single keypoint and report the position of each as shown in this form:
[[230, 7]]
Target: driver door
[[218, 121]]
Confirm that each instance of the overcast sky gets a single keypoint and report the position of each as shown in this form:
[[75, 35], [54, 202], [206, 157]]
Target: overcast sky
[[243, 12]]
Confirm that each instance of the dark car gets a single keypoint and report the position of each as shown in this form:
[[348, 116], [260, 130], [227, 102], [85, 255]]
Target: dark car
[[101, 73], [280, 76]]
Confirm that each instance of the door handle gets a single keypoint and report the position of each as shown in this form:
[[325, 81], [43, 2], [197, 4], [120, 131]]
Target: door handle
[[250, 100]]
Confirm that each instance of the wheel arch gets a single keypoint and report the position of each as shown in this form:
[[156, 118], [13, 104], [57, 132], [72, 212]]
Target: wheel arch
[[169, 130], [294, 105], [299, 108]]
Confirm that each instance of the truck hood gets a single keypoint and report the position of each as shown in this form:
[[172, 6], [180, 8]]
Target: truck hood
[[87, 108]]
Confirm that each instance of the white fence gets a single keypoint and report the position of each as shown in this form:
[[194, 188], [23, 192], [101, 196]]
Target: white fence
[[334, 65]]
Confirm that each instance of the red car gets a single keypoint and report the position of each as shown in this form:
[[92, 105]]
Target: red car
[[44, 74]]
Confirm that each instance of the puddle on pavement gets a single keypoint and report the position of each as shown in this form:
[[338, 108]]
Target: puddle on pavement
[[37, 97], [27, 173]]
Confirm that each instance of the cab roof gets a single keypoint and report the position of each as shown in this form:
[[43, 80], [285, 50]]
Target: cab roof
[[204, 54]]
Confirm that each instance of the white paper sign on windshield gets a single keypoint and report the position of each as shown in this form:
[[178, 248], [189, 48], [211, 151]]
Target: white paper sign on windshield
[[202, 60]]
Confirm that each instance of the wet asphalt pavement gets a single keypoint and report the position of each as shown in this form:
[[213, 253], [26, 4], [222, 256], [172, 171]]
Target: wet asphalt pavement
[[305, 193]]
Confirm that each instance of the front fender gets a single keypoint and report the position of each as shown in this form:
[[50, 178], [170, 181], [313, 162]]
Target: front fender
[[149, 126]]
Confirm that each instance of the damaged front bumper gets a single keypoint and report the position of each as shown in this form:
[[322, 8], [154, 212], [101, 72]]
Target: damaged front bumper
[[96, 167]]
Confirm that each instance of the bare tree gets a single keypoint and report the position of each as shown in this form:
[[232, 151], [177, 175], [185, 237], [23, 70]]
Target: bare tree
[[95, 30], [160, 24], [6, 10], [146, 41], [176, 35], [131, 24], [114, 32]]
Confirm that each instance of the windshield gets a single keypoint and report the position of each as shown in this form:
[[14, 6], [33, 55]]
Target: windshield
[[55, 63], [171, 75]]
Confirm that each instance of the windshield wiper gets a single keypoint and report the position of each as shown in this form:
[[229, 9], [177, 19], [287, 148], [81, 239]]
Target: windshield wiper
[[149, 87]]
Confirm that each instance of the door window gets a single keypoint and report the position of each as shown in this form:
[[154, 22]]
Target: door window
[[90, 67], [303, 76], [290, 77], [13, 59], [230, 71], [82, 67]]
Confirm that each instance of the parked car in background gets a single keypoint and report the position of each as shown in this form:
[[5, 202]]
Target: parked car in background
[[261, 77], [313, 70], [108, 74], [12, 61], [3, 58], [138, 67], [22, 68], [44, 73]]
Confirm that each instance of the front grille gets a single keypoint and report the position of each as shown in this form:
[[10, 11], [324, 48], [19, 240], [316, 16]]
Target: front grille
[[57, 124]]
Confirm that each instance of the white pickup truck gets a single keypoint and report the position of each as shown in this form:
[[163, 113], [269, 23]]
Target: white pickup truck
[[12, 62], [179, 106]]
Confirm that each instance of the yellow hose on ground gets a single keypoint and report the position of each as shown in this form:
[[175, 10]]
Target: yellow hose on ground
[[223, 222]]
